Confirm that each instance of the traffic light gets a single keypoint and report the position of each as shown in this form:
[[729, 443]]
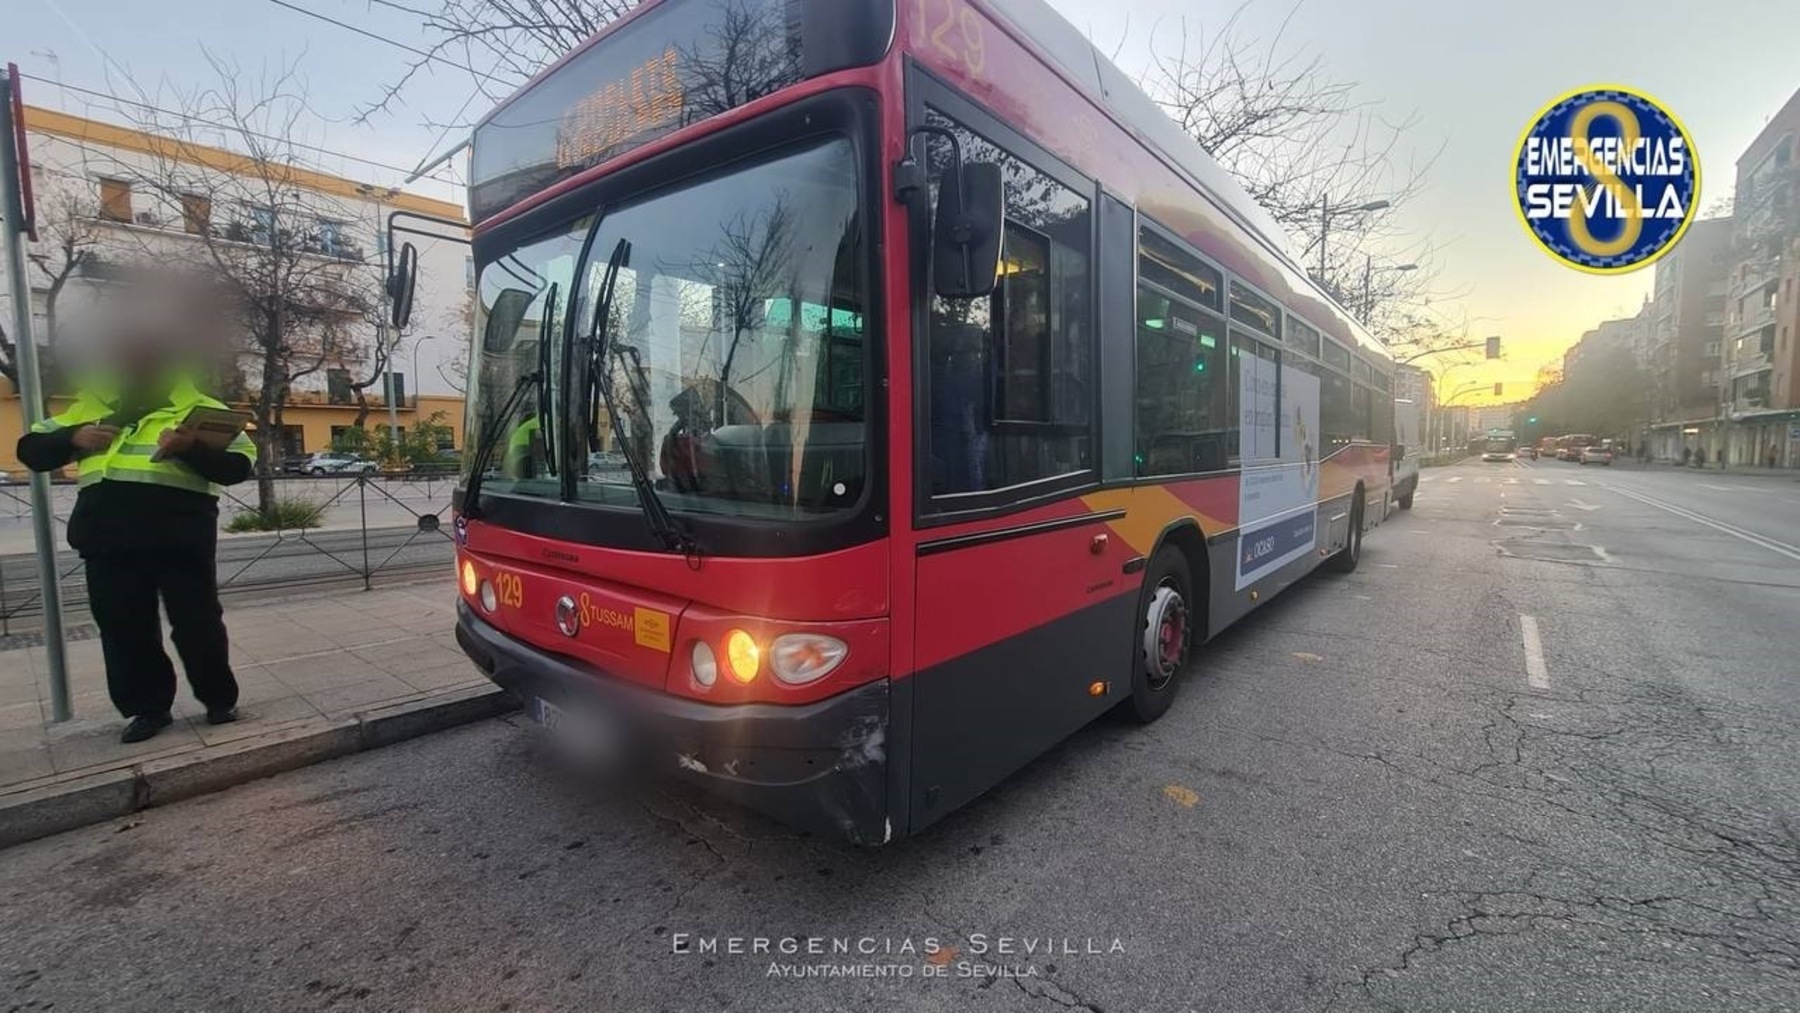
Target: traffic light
[[1493, 349], [1531, 420]]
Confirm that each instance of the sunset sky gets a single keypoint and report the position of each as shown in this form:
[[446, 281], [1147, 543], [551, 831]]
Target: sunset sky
[[1472, 73]]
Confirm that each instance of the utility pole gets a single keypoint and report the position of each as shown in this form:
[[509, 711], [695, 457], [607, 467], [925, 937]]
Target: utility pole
[[1325, 213], [1368, 292], [381, 335], [31, 393]]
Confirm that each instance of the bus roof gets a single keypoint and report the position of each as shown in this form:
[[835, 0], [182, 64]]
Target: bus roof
[[1063, 46]]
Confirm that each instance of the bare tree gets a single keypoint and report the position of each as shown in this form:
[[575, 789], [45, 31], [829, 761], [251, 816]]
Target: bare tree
[[9, 357], [302, 290], [1305, 147], [68, 235], [511, 39]]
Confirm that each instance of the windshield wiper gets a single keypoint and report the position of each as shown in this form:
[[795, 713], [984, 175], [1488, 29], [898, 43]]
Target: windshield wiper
[[484, 450], [490, 437], [656, 514], [546, 431]]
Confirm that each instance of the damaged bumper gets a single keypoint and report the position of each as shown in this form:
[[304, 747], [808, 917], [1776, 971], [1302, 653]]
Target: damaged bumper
[[820, 766]]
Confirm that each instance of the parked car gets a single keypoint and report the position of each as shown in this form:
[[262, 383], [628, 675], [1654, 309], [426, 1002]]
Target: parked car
[[296, 464], [1529, 453], [1597, 455], [332, 463], [603, 462]]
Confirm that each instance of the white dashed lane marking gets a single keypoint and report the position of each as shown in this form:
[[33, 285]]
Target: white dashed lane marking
[[1536, 675]]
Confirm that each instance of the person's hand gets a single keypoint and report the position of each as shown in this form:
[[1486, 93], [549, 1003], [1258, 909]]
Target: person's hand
[[174, 441], [91, 439]]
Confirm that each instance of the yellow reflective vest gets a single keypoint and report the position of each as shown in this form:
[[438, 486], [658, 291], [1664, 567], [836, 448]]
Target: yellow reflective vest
[[130, 458], [519, 458]]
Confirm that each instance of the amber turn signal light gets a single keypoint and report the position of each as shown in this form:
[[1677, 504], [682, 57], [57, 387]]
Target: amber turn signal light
[[742, 655]]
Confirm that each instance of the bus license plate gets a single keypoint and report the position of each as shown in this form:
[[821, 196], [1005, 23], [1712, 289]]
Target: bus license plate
[[546, 713], [582, 733]]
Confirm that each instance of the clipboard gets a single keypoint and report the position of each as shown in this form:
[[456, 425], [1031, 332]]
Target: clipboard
[[213, 428]]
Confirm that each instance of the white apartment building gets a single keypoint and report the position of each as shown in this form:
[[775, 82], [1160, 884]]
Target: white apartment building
[[130, 196]]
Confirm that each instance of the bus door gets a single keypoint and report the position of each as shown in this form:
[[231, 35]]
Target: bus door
[[1021, 602]]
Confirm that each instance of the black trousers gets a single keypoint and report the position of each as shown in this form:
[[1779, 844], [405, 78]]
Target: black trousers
[[123, 587]]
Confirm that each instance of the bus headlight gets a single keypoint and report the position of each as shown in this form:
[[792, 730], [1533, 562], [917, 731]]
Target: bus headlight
[[488, 600], [469, 579], [800, 658], [705, 665], [742, 654]]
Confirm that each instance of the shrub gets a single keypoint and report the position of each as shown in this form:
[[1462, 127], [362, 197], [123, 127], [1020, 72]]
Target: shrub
[[282, 515]]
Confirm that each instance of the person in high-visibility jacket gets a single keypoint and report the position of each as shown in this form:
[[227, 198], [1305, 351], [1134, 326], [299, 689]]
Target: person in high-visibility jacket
[[523, 450], [146, 523]]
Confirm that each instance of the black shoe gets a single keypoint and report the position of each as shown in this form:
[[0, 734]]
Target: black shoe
[[144, 726], [221, 715]]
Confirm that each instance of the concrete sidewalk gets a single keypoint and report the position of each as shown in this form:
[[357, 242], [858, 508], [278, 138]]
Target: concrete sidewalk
[[322, 676], [1733, 471]]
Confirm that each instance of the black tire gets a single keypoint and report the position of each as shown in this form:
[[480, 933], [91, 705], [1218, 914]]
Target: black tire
[[1345, 559], [1164, 635], [1406, 499], [317, 471]]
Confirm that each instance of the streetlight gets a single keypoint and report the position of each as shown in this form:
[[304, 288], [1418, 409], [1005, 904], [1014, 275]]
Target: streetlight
[[1325, 213], [1368, 301], [415, 372]]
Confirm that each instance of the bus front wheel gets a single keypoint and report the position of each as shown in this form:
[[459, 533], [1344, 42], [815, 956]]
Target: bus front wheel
[[1165, 633]]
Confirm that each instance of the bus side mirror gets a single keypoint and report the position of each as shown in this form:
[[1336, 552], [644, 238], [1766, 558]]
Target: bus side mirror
[[402, 282], [965, 237]]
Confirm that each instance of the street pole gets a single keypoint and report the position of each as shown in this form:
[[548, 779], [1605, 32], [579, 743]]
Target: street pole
[[388, 383], [415, 374], [1324, 231], [1368, 283], [31, 400]]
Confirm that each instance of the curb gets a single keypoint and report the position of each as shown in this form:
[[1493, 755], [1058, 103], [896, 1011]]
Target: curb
[[85, 799]]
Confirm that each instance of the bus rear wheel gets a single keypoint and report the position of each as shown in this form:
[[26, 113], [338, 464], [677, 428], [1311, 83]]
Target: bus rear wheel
[[1165, 634], [1346, 558]]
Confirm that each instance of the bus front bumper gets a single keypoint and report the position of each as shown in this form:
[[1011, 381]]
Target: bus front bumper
[[820, 766]]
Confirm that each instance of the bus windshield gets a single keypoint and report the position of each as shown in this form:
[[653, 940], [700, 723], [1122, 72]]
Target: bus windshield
[[734, 347]]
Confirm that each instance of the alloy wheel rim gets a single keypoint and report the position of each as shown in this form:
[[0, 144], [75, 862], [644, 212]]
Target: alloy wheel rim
[[1165, 636]]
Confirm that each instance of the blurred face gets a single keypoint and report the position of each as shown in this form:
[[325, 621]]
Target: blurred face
[[156, 326]]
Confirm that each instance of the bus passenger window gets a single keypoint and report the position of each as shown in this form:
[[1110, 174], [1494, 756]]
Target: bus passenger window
[[1011, 375], [1336, 411], [1183, 414]]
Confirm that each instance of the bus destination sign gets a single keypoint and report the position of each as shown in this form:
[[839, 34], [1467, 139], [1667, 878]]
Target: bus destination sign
[[647, 100], [677, 63]]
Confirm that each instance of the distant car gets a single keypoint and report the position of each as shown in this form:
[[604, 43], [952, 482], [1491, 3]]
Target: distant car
[[1497, 455], [1529, 453], [296, 464], [1569, 454], [1597, 455], [605, 461], [329, 463]]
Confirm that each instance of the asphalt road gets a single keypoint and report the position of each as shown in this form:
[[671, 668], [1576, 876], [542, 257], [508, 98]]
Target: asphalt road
[[1536, 755]]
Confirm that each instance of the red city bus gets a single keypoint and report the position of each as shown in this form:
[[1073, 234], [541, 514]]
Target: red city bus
[[868, 394]]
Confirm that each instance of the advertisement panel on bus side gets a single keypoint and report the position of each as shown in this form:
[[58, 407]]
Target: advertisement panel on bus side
[[1278, 491]]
